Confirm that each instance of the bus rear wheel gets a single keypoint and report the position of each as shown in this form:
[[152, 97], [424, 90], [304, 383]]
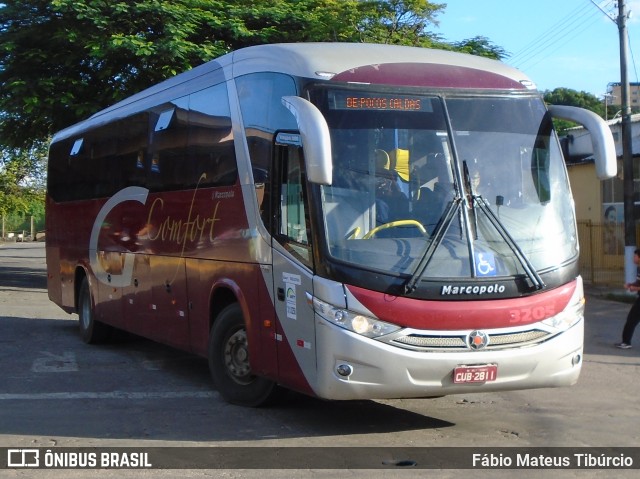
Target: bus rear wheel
[[91, 330], [229, 362]]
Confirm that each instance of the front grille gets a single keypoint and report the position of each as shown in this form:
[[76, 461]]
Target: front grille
[[436, 342], [458, 342]]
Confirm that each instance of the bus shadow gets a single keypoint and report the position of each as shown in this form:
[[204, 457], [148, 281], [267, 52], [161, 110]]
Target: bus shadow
[[293, 416], [135, 389], [353, 417], [22, 277]]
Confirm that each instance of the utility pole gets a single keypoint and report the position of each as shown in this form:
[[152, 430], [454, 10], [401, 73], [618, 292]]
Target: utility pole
[[627, 154]]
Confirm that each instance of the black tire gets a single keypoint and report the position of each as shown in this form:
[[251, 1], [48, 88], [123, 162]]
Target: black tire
[[91, 330], [229, 362]]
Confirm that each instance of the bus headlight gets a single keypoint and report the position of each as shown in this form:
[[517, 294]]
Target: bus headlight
[[358, 323], [572, 314]]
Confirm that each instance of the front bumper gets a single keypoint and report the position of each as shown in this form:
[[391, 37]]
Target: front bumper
[[379, 370]]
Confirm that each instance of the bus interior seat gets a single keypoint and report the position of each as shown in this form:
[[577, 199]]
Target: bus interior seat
[[400, 163]]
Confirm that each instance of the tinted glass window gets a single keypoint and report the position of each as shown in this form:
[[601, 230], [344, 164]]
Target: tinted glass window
[[168, 148], [210, 149], [176, 145], [263, 114]]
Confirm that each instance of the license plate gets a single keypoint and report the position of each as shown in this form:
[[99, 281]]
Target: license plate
[[475, 374]]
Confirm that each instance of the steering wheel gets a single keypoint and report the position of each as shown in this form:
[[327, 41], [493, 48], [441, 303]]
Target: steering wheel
[[396, 224]]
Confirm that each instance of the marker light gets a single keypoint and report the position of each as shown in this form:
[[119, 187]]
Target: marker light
[[325, 75], [528, 84], [358, 323]]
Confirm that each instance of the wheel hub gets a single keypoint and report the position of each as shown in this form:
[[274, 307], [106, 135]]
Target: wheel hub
[[236, 357]]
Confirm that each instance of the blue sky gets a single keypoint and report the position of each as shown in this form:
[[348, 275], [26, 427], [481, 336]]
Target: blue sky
[[557, 43]]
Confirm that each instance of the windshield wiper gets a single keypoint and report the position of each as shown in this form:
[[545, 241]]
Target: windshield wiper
[[478, 202], [471, 197], [529, 269], [438, 235]]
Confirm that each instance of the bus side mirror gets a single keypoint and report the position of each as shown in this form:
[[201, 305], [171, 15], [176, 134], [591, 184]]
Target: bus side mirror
[[603, 147], [316, 141]]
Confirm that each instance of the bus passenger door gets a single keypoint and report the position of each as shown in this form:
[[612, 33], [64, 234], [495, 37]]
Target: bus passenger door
[[293, 270]]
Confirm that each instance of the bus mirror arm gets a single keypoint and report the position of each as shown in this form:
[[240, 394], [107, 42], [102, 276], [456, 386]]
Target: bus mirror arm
[[316, 140], [603, 146]]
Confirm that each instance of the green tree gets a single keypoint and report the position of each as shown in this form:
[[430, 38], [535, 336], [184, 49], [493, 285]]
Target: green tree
[[22, 181], [61, 60], [403, 22], [582, 99], [480, 46]]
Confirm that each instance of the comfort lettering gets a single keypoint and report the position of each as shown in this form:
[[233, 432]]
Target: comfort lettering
[[179, 231]]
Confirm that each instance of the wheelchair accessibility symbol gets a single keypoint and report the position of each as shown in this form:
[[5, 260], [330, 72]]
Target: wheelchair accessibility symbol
[[485, 264]]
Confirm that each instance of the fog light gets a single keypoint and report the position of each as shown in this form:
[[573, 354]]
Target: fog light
[[576, 360], [344, 370]]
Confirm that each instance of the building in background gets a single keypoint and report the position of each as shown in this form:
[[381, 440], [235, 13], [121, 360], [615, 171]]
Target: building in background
[[614, 94], [600, 204], [595, 198]]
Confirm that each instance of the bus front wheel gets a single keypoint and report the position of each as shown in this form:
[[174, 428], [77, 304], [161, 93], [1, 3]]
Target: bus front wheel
[[91, 330], [229, 362]]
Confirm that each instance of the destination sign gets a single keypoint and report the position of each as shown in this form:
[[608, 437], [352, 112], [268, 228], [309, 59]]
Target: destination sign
[[344, 100]]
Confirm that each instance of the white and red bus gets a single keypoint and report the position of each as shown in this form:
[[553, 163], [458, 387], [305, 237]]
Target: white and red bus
[[345, 220]]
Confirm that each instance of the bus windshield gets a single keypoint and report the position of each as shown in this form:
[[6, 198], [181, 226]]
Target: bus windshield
[[434, 186]]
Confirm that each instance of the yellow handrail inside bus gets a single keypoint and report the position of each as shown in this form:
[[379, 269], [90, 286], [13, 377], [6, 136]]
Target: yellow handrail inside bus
[[395, 224]]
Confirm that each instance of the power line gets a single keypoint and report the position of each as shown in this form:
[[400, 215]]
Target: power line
[[557, 36], [555, 44], [570, 26], [633, 58], [612, 17], [545, 35]]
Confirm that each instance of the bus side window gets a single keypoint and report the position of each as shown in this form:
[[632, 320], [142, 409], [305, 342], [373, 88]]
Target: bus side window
[[540, 174], [293, 228], [260, 96], [168, 146], [210, 139]]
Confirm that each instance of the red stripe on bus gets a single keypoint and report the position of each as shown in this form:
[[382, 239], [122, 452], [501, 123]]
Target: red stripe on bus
[[472, 314]]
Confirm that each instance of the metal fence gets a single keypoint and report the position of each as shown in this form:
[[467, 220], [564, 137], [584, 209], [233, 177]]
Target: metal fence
[[602, 253], [21, 228]]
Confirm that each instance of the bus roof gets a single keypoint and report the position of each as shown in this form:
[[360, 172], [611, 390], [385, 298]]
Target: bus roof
[[355, 62], [309, 59]]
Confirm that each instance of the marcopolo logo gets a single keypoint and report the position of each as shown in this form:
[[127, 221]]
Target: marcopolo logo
[[472, 289]]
